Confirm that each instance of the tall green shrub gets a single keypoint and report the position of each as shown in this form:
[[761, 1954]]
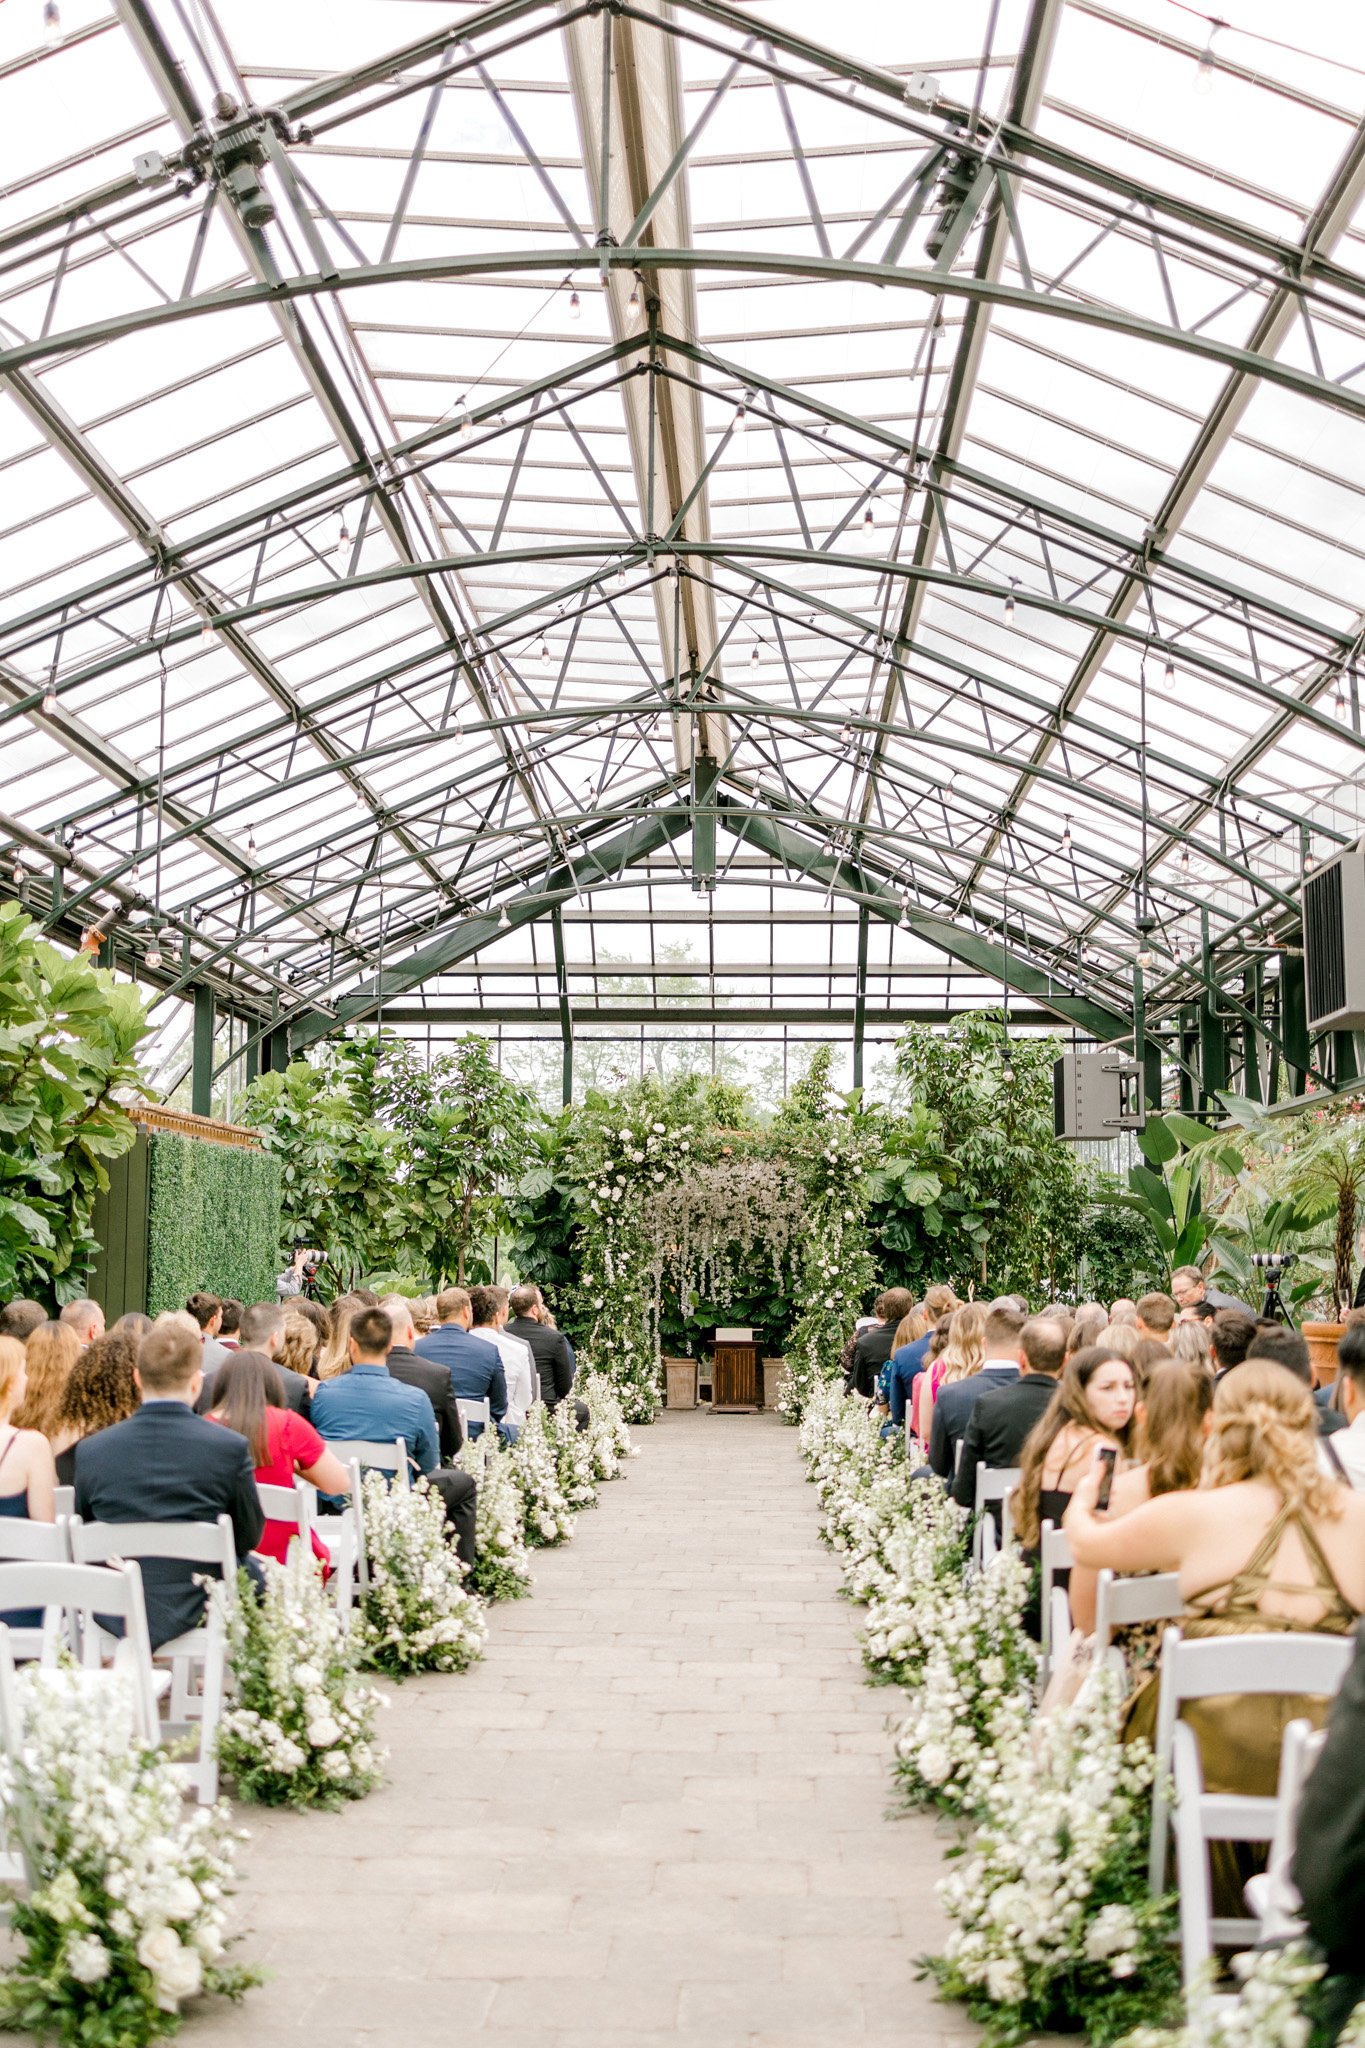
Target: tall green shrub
[[214, 1221], [68, 1040]]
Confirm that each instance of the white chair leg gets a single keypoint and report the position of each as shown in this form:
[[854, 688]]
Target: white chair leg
[[1192, 1868]]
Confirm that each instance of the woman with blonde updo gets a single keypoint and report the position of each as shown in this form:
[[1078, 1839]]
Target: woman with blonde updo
[[1265, 1545]]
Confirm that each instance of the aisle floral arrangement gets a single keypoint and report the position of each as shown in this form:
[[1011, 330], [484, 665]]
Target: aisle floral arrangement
[[1279, 2004], [503, 1571], [546, 1514], [574, 1459], [126, 1917], [416, 1613], [1054, 1923], [300, 1731]]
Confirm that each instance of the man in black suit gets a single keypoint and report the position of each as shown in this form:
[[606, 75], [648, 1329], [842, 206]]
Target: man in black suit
[[1003, 1419], [1329, 1862], [262, 1329], [554, 1360], [873, 1346], [953, 1408], [457, 1488], [167, 1464]]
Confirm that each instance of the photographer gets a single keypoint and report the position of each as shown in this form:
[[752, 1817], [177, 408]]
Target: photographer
[[1190, 1291], [299, 1276]]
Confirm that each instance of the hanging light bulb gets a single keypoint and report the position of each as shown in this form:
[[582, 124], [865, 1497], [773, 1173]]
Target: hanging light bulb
[[621, 571], [464, 425], [52, 24], [741, 419], [49, 705], [1168, 674], [1006, 1070], [206, 630], [1184, 860], [753, 655], [545, 654], [633, 302], [868, 520], [1339, 698], [344, 537], [152, 956], [503, 919], [1145, 956], [905, 908], [20, 873], [1066, 836], [575, 306], [135, 870], [251, 846], [1009, 602], [1207, 65]]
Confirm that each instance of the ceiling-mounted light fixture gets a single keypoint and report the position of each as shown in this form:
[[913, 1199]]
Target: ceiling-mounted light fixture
[[52, 24], [575, 306], [741, 419], [49, 704], [251, 845], [1208, 64], [1009, 601], [1168, 674], [464, 425], [869, 520], [503, 919], [753, 655], [152, 956], [633, 302], [1184, 860], [1066, 836], [545, 654], [344, 537], [206, 629]]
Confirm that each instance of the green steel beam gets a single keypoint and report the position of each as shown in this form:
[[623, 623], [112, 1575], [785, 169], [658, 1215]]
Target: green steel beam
[[705, 776], [565, 1011], [470, 934], [201, 1086]]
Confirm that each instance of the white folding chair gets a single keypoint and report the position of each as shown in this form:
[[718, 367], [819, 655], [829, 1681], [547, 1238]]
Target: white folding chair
[[1203, 1668], [389, 1456], [296, 1507], [1273, 1896], [474, 1411], [81, 1595], [32, 1543], [1119, 1602], [15, 1868], [1055, 1612], [196, 1659], [63, 1501], [993, 1483]]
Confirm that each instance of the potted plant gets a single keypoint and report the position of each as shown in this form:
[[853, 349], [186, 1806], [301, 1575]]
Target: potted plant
[[1331, 1169]]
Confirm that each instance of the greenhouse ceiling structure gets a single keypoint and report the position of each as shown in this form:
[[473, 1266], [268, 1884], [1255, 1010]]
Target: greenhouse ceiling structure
[[853, 507]]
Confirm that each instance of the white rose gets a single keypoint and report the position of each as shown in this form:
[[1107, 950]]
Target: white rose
[[87, 1959], [625, 1136], [323, 1732], [307, 1677], [177, 1970], [933, 1763], [181, 1900], [661, 1127], [336, 1765]]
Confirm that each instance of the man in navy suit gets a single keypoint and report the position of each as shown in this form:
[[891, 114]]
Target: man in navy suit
[[956, 1400], [475, 1367], [167, 1464]]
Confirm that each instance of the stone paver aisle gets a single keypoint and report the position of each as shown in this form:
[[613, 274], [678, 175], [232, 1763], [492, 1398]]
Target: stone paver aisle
[[655, 1814]]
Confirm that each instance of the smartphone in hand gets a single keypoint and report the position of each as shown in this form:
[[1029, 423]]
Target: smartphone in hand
[[1108, 1459]]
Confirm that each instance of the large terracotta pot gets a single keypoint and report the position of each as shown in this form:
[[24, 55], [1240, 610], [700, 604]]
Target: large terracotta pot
[[1322, 1340]]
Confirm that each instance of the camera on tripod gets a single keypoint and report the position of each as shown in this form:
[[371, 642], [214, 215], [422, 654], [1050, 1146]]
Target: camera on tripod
[[1274, 1265]]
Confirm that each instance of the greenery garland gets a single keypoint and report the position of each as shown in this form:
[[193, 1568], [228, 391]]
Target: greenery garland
[[832, 1147]]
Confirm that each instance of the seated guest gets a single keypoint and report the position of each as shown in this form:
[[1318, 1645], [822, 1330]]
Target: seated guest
[[262, 1329], [1349, 1445], [1092, 1407], [86, 1318], [49, 1359], [248, 1397], [475, 1367], [1156, 1315], [1231, 1335], [434, 1380], [101, 1391], [488, 1314], [550, 1348], [27, 1474], [20, 1318], [368, 1404], [1124, 1306], [1287, 1348], [335, 1355], [1169, 1427], [1087, 1327], [207, 1311], [300, 1346], [167, 1464], [135, 1323], [1329, 1864], [1145, 1356], [424, 1313], [1006, 1415], [908, 1359], [1265, 1545], [1194, 1341], [312, 1312], [873, 1347], [230, 1328], [456, 1488], [959, 1358], [957, 1398]]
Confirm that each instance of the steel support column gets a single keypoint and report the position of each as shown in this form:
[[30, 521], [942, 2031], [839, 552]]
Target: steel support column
[[860, 996], [201, 1084], [565, 1012]]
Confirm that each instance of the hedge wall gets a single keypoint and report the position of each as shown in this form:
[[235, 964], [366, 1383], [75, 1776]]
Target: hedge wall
[[214, 1221]]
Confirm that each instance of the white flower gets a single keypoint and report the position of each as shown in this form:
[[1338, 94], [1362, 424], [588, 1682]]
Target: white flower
[[661, 1127], [87, 1958], [625, 1136], [181, 1900], [178, 1971], [1112, 1930], [323, 1732]]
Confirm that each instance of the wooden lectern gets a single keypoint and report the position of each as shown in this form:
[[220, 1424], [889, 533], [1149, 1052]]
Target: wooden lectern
[[734, 1373]]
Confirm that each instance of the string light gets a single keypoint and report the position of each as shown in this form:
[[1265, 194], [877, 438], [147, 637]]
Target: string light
[[251, 846], [1066, 836], [633, 302], [344, 537], [1009, 602], [49, 703], [20, 873], [464, 425], [741, 419], [153, 954], [1184, 860], [1168, 674], [206, 630], [868, 521], [52, 24], [621, 572], [753, 655], [575, 306], [1207, 65], [503, 919], [545, 654]]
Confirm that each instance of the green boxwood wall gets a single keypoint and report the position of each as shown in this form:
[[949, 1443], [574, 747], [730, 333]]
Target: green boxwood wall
[[214, 1221]]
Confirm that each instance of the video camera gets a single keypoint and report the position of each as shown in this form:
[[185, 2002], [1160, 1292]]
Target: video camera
[[1274, 1262], [1274, 1265]]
